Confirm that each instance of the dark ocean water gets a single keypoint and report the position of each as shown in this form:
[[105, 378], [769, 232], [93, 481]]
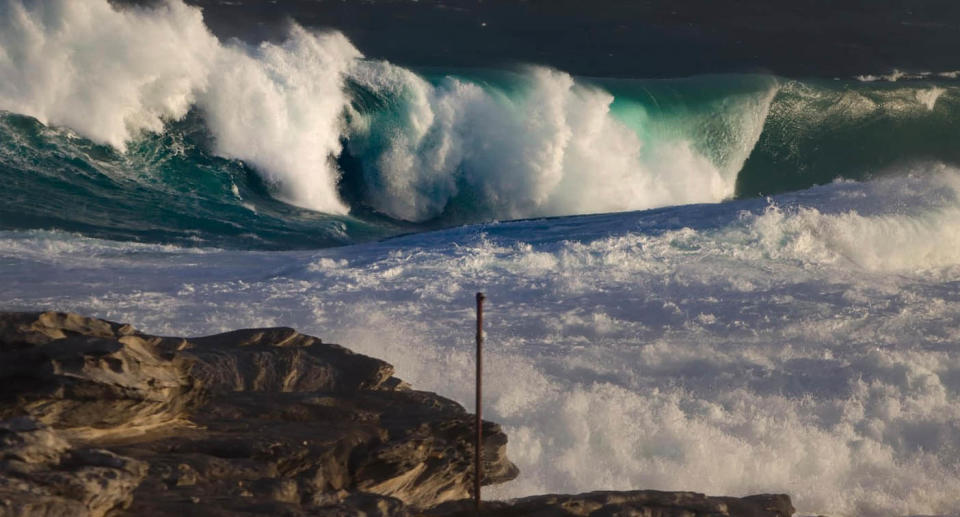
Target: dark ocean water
[[625, 38]]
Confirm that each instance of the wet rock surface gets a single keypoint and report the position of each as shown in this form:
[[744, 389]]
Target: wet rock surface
[[646, 503], [98, 419]]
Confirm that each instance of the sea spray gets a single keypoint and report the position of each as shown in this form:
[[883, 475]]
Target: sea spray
[[279, 108], [786, 345], [107, 74], [111, 74], [538, 142], [454, 149]]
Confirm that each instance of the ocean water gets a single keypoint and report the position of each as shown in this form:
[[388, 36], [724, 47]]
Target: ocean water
[[730, 284]]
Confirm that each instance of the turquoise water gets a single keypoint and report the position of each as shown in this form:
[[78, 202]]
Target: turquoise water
[[761, 135]]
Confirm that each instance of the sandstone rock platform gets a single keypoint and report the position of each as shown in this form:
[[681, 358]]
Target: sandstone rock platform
[[97, 418]]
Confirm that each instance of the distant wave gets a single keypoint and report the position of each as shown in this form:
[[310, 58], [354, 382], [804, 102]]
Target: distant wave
[[896, 75]]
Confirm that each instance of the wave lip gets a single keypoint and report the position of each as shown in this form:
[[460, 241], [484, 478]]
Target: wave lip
[[278, 107]]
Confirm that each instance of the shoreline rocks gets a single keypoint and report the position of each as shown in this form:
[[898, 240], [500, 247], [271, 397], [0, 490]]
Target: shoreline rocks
[[627, 503], [98, 419]]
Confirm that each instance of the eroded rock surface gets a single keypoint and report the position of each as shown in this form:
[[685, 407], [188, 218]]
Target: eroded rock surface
[[42, 475], [251, 422]]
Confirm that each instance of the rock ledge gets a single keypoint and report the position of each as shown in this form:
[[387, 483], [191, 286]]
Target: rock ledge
[[95, 416], [99, 419]]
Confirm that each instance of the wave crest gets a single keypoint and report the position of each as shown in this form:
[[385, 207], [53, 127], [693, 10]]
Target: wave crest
[[108, 74], [112, 74], [538, 143], [453, 148]]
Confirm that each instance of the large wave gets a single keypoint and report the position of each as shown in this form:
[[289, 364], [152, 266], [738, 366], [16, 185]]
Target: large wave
[[200, 133], [537, 142], [819, 130], [113, 74], [545, 144]]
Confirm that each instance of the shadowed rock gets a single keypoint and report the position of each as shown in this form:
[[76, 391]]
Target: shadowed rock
[[68, 371], [646, 503]]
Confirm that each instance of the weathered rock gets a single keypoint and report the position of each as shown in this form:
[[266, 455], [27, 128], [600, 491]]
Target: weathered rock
[[97, 418], [254, 422], [281, 360], [645, 503], [42, 475]]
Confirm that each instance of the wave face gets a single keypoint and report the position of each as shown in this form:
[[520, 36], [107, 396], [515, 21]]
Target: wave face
[[538, 142], [163, 133], [164, 188], [818, 131]]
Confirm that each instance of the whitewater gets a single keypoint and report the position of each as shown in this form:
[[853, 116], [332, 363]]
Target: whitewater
[[730, 284]]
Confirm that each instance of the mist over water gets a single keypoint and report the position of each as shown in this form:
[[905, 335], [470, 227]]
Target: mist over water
[[782, 316]]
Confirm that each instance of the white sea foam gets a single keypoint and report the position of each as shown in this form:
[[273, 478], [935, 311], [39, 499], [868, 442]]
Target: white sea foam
[[929, 96], [104, 73], [554, 148], [805, 345], [279, 108], [110, 74], [894, 76], [551, 148]]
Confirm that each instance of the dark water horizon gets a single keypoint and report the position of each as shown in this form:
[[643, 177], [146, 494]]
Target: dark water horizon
[[622, 38]]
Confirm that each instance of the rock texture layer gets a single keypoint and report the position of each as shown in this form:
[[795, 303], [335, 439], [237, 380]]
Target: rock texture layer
[[40, 474], [97, 416]]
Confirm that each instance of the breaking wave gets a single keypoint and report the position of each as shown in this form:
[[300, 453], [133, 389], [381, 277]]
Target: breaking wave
[[225, 143]]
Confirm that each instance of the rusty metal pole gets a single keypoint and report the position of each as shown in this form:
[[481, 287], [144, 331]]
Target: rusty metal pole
[[478, 446]]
